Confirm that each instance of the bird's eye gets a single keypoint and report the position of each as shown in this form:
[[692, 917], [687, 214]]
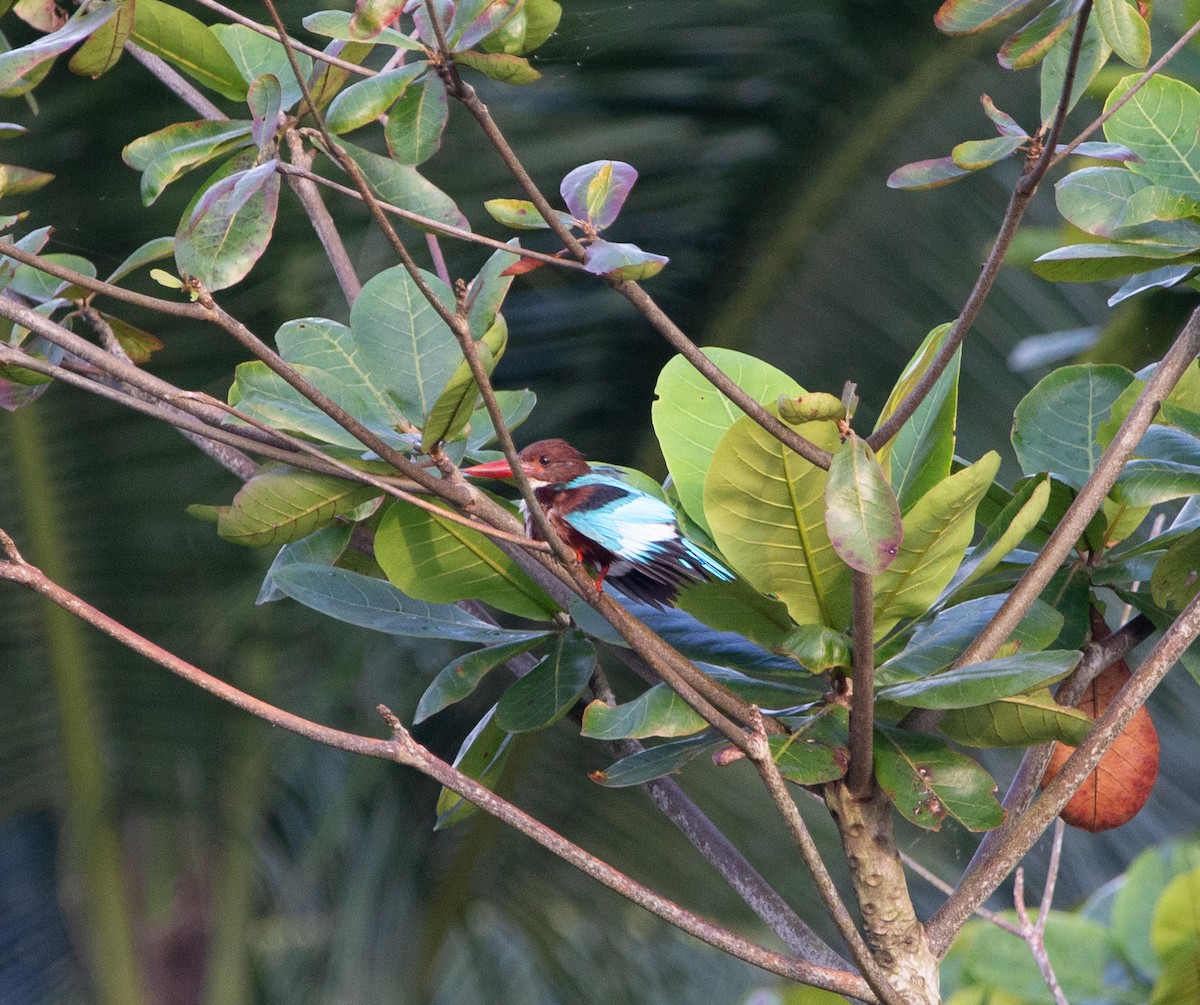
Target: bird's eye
[[543, 460]]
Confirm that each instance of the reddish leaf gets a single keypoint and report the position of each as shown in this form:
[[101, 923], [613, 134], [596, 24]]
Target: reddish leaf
[[926, 174], [1112, 794], [523, 265]]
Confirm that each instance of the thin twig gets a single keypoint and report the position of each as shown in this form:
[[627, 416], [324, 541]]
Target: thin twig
[[936, 881], [1034, 933]]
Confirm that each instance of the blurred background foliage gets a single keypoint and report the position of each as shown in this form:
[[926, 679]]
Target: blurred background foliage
[[261, 868]]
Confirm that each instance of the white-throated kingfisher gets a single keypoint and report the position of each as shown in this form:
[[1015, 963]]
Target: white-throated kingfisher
[[631, 539]]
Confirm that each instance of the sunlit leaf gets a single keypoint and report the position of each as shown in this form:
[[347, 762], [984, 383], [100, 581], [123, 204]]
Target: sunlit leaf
[[1095, 199], [817, 751], [622, 261], [18, 63], [103, 48], [1020, 721], [454, 406], [522, 215], [962, 17], [21, 181], [137, 344], [475, 20], [926, 174], [928, 781], [167, 154], [1088, 263], [596, 192], [1156, 123], [549, 690], [435, 559], [766, 509], [690, 416], [1016, 520], [817, 648], [1136, 902], [937, 531], [656, 712], [189, 45], [1093, 54], [1125, 30], [1028, 45], [976, 154], [281, 504]]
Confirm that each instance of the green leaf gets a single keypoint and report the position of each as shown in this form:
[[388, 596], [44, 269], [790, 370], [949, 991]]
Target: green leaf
[[255, 55], [541, 21], [456, 404], [435, 559], [965, 17], [522, 215], [1156, 124], [690, 416], [330, 79], [920, 455], [1020, 721], [154, 250], [167, 154], [1089, 263], [925, 174], [1176, 578], [362, 103], [981, 683], [377, 605], [862, 516], [937, 644], [1175, 927], [402, 340], [1096, 199], [817, 648], [737, 607], [937, 531], [1055, 425], [1137, 900], [486, 292], [281, 504], [1029, 45], [337, 24], [103, 48], [653, 762], [656, 712], [463, 675], [622, 261], [322, 547], [34, 57], [370, 17], [1015, 522], [502, 66], [516, 407], [1148, 483], [417, 120], [928, 781], [974, 155], [1125, 30], [547, 692], [402, 186], [189, 45], [230, 227], [481, 756], [766, 510], [816, 752], [138, 345], [41, 286], [1093, 54]]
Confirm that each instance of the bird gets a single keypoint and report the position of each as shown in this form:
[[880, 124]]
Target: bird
[[631, 539]]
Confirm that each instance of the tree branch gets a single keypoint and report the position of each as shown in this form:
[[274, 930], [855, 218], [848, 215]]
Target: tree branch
[[860, 776]]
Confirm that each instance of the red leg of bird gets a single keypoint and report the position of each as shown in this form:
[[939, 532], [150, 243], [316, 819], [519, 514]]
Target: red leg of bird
[[600, 578]]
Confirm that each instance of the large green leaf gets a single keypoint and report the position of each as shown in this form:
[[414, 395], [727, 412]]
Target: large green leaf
[[254, 54], [1019, 721], [982, 683], [927, 780], [230, 227], [376, 604], [438, 560], [462, 675], [862, 516], [189, 45], [167, 154], [766, 510], [937, 531], [21, 62], [690, 416], [919, 456], [547, 692], [656, 712], [417, 120], [281, 504], [1158, 124], [481, 757], [1055, 426], [402, 186], [403, 340]]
